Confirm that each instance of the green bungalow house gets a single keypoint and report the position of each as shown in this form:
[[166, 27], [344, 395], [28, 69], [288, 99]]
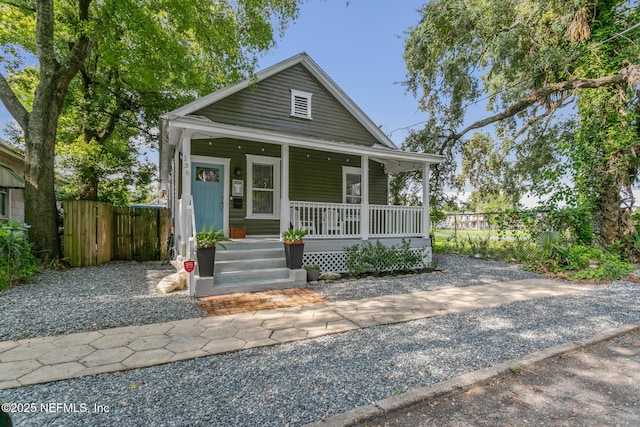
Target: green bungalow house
[[285, 148]]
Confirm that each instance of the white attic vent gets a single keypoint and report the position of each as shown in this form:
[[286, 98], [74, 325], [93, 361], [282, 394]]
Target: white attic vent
[[301, 104]]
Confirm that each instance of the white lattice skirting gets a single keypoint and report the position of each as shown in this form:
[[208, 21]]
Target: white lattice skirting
[[335, 261]]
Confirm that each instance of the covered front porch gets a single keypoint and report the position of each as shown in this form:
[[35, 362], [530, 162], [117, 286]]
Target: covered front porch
[[330, 189], [270, 182]]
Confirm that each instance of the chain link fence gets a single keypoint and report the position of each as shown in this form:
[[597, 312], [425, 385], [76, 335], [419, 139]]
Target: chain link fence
[[508, 235]]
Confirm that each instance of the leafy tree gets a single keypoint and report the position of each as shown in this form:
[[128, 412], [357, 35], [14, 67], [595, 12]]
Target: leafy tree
[[405, 188], [488, 169], [129, 54], [528, 59]]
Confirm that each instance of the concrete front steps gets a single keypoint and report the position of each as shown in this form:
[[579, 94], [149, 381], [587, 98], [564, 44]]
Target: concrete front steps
[[249, 265]]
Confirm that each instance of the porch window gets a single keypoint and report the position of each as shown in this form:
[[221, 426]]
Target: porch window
[[4, 203], [301, 104], [263, 181], [351, 185]]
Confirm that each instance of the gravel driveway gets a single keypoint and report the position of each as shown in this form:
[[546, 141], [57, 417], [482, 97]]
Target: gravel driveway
[[92, 298], [304, 381], [124, 294]]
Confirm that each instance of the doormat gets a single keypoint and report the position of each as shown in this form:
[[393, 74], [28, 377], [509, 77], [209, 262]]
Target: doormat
[[256, 301]]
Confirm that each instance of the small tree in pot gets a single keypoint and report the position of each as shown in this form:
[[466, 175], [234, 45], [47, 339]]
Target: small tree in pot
[[206, 249], [294, 247]]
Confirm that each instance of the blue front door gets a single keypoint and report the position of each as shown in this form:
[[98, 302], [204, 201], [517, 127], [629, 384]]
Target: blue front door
[[207, 188]]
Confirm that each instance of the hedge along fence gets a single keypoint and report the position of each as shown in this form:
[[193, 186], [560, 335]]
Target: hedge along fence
[[95, 233]]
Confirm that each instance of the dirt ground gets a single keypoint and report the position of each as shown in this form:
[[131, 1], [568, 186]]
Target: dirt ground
[[596, 386]]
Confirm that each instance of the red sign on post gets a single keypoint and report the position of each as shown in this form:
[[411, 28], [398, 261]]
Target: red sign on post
[[189, 265]]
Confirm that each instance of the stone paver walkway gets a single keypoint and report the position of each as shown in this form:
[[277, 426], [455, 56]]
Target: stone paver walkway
[[46, 359]]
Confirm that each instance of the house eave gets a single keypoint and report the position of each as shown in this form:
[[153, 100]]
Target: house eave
[[209, 129]]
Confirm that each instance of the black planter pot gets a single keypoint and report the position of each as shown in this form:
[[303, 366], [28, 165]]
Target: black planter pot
[[293, 253], [206, 260]]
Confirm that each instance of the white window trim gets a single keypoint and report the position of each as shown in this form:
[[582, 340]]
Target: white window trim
[[300, 94], [350, 170], [275, 162]]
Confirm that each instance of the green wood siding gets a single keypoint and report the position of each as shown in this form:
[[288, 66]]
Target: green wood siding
[[315, 176], [267, 105]]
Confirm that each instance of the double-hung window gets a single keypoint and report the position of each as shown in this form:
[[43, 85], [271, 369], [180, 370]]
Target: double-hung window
[[263, 192]]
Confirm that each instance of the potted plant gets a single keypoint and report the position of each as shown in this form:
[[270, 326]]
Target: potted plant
[[293, 247], [313, 272], [206, 241]]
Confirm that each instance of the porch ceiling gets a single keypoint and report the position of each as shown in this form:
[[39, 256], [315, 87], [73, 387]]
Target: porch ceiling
[[394, 160]]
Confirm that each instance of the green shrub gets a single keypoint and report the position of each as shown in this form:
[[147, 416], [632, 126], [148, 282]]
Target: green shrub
[[611, 268], [580, 257], [17, 263], [583, 263], [549, 243], [576, 221], [479, 245], [367, 257]]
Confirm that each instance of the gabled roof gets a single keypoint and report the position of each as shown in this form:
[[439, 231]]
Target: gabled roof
[[304, 60]]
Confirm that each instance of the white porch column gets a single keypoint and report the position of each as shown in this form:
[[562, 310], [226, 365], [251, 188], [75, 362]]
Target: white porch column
[[186, 185], [426, 220], [364, 188], [285, 213]]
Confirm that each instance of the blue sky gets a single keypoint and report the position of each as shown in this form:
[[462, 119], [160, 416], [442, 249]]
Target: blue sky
[[359, 44]]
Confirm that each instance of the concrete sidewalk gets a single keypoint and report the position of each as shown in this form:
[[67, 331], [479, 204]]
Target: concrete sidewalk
[[42, 360]]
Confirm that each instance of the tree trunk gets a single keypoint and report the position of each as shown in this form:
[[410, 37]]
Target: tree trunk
[[41, 212], [613, 220], [40, 125]]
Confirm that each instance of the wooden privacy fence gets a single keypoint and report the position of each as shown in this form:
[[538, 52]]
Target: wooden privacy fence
[[95, 233]]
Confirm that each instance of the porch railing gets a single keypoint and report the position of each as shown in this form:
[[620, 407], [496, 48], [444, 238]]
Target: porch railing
[[395, 221], [340, 220]]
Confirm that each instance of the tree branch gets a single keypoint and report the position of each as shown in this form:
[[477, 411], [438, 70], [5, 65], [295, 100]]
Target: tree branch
[[79, 50], [13, 104], [554, 106], [629, 75]]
